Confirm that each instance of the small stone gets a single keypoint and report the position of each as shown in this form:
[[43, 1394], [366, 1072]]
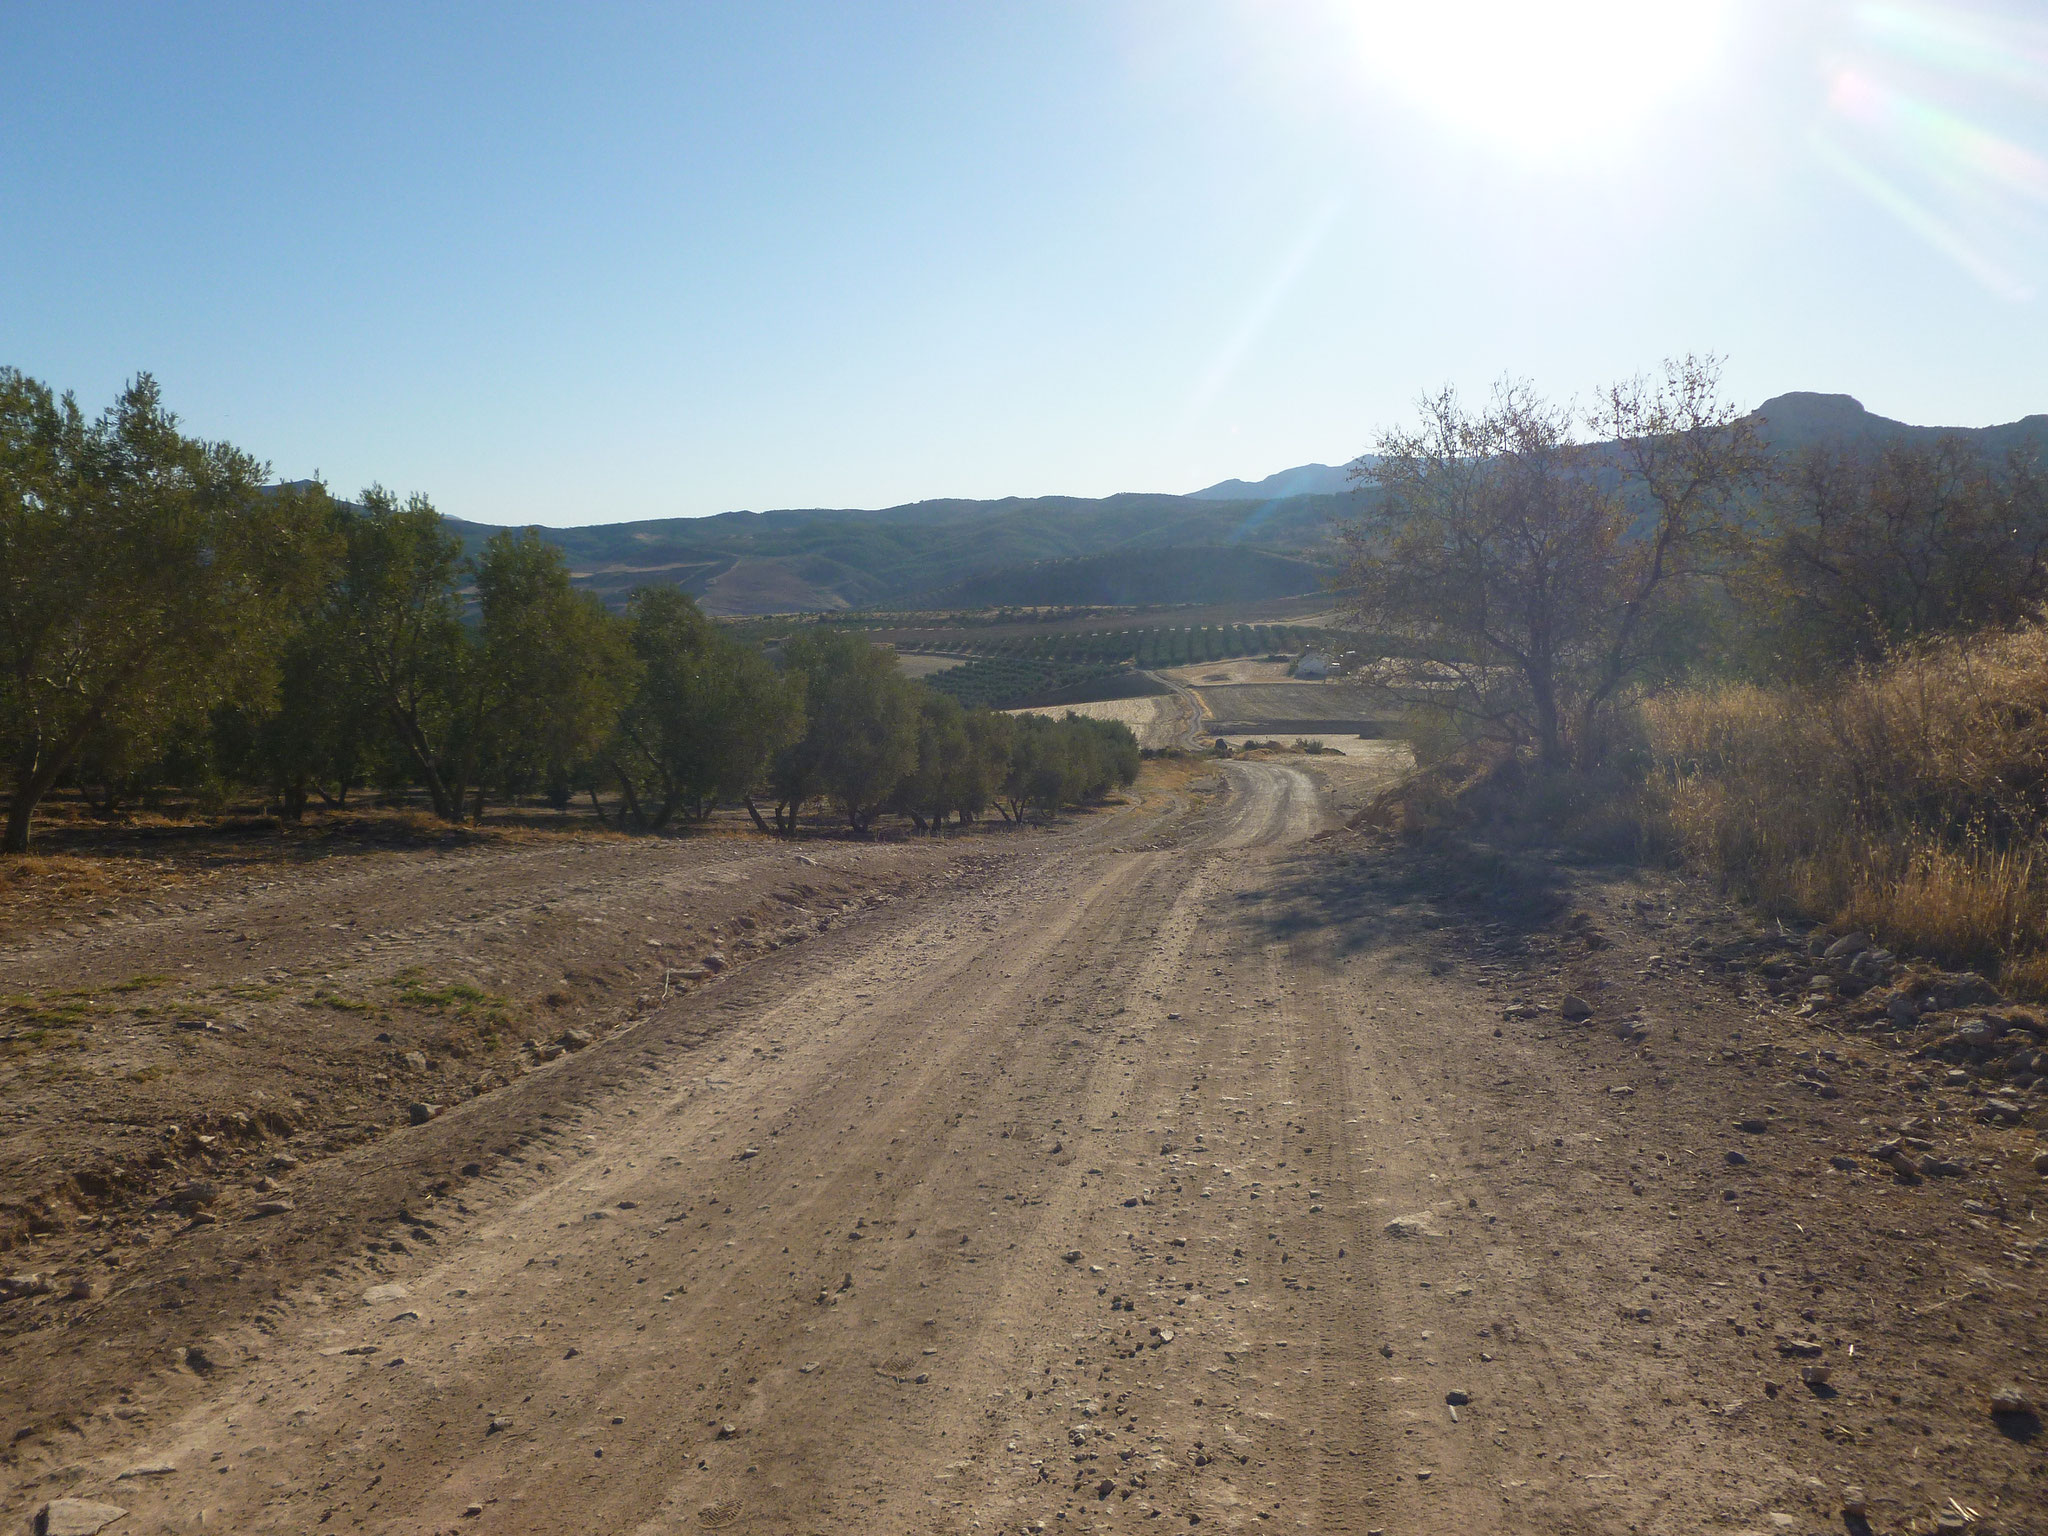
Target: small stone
[[573, 1039], [727, 1431], [2011, 1400], [1752, 1127], [1816, 1375], [149, 1469], [391, 1291], [1417, 1225], [2041, 1161], [1854, 1504], [1799, 1347], [472, 1170], [498, 1425], [1847, 946], [1575, 1008], [749, 1153], [420, 1114], [1456, 1398], [270, 1208], [415, 1061], [1734, 1159], [471, 1511], [1072, 1256], [714, 962], [2002, 1110], [76, 1517]]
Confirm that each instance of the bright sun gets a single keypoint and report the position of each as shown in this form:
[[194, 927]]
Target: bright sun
[[1539, 76]]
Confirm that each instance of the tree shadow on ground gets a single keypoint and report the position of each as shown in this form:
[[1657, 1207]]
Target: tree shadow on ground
[[1404, 893]]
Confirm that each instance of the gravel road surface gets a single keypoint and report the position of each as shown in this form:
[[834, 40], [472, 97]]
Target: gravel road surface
[[1170, 1176]]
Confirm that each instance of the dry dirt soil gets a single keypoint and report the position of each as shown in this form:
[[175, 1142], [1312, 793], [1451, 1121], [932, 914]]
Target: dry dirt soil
[[1197, 1164], [1158, 720]]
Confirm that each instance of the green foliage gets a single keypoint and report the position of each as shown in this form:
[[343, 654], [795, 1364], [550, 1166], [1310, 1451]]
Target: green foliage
[[144, 579], [706, 718], [860, 736], [396, 609], [1016, 682], [1070, 761], [550, 671]]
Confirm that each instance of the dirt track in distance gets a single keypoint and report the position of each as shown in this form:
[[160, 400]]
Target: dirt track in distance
[[1178, 1169]]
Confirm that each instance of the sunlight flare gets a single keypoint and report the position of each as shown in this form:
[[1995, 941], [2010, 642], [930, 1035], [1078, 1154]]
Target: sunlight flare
[[1539, 79]]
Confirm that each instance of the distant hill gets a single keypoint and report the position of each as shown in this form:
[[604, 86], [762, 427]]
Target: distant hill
[[1302, 480], [1234, 541], [1802, 420], [1127, 579], [821, 559]]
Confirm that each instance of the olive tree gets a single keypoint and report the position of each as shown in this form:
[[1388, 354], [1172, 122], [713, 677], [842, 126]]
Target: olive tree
[[146, 576], [860, 729], [707, 715]]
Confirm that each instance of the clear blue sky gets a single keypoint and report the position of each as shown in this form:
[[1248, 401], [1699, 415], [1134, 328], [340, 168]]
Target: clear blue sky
[[593, 262]]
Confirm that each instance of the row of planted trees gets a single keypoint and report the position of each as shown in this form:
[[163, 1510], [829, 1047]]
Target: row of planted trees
[[166, 612]]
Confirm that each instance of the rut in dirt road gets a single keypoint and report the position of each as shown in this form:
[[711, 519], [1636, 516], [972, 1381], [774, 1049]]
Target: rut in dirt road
[[1162, 1179], [934, 1239]]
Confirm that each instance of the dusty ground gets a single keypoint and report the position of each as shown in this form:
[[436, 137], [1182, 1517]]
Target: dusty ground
[[1157, 721], [1197, 1164], [1385, 752], [1249, 669], [927, 664], [1266, 706]]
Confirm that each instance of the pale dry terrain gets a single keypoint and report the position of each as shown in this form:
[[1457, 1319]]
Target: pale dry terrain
[[925, 664], [1244, 670], [1157, 721], [1199, 1163], [1383, 754]]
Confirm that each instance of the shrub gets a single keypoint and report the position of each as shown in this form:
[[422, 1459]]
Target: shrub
[[1910, 798]]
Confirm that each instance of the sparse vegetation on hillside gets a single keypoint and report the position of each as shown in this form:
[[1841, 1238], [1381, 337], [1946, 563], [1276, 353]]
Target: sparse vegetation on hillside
[[1815, 676], [1909, 799]]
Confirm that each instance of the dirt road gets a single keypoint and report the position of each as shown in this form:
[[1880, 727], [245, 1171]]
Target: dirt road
[[1179, 1174]]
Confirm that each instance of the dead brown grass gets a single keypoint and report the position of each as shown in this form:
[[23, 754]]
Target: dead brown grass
[[1910, 800]]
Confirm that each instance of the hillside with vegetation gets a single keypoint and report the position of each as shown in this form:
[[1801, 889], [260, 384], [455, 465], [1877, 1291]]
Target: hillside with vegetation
[[171, 621], [1235, 540], [1815, 671]]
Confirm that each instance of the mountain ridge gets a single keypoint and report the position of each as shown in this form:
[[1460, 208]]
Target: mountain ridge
[[823, 559]]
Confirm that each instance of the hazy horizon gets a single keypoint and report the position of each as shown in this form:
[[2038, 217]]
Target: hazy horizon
[[617, 264]]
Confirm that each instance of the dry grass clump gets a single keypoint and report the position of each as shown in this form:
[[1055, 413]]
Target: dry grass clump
[[1910, 799]]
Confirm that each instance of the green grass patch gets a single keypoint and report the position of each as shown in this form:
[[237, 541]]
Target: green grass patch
[[458, 997], [144, 983], [341, 1002]]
